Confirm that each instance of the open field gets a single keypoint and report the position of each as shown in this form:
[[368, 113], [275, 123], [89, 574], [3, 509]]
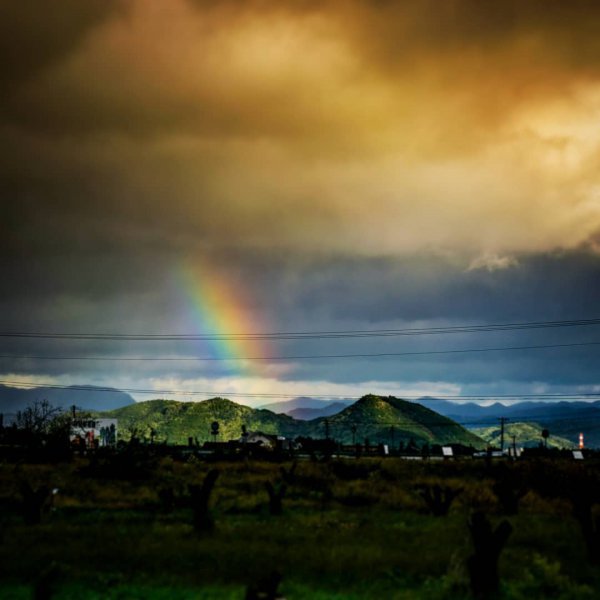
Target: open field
[[348, 529]]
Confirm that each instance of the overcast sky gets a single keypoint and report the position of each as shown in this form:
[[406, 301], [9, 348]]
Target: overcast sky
[[193, 166]]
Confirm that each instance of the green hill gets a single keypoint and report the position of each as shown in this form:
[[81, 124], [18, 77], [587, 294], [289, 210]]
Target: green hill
[[385, 419], [527, 435], [175, 421], [373, 416]]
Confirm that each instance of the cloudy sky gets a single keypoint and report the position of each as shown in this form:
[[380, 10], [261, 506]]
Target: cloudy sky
[[201, 166]]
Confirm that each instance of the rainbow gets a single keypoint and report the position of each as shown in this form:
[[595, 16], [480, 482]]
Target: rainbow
[[217, 306]]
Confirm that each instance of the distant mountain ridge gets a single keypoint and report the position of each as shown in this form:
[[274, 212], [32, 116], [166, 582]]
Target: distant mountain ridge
[[304, 402], [386, 419], [307, 414], [563, 419], [530, 409], [86, 397]]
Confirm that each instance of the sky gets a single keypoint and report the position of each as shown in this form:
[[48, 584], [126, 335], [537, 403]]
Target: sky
[[200, 167]]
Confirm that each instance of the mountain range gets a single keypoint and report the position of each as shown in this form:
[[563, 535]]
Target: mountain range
[[380, 419], [306, 416], [306, 408], [562, 419], [86, 397]]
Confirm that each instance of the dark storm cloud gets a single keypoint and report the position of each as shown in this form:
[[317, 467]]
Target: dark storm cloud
[[514, 371], [325, 294], [344, 165], [213, 71], [430, 291], [393, 124], [460, 23], [547, 286], [34, 35], [374, 291]]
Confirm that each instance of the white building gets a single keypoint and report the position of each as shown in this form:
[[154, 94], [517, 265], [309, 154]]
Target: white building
[[91, 433]]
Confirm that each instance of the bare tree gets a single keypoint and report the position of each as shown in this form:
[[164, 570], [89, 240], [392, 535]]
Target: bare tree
[[38, 418]]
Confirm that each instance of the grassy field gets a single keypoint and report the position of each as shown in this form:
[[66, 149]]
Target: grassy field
[[349, 529]]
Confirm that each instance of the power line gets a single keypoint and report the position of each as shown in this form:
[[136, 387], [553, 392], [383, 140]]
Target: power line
[[213, 393], [304, 334], [297, 357]]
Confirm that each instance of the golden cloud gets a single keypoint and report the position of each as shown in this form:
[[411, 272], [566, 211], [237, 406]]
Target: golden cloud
[[373, 127]]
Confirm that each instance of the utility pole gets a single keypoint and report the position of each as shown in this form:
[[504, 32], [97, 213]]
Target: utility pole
[[326, 429], [514, 445], [502, 420]]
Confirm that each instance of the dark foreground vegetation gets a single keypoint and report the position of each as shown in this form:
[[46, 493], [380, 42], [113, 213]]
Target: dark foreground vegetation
[[133, 524]]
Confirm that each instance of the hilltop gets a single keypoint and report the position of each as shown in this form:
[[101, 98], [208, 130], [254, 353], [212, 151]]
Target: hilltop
[[386, 418], [373, 416], [175, 421]]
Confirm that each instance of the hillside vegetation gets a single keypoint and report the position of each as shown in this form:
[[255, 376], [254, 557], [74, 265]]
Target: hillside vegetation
[[390, 420], [174, 422], [527, 435], [381, 419]]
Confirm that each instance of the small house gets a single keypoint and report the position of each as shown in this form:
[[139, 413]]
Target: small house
[[265, 440]]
